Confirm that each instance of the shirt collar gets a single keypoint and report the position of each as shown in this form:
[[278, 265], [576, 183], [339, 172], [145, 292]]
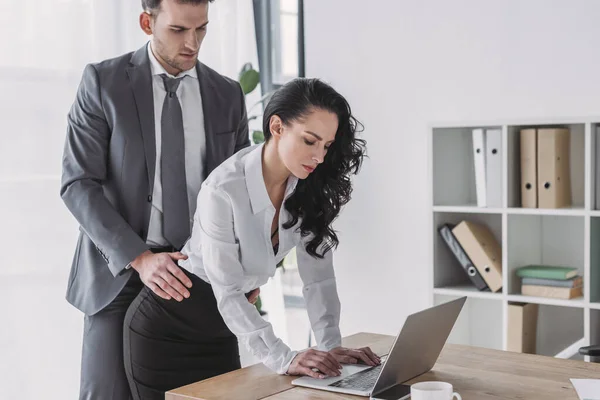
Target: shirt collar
[[255, 183], [158, 69]]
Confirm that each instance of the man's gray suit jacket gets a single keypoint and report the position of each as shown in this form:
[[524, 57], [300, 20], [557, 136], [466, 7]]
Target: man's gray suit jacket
[[109, 162]]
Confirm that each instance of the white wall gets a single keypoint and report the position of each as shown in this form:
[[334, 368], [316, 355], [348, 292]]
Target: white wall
[[404, 65]]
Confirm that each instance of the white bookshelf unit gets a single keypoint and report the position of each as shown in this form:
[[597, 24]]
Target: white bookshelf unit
[[566, 236]]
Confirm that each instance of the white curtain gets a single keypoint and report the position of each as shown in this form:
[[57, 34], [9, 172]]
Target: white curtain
[[231, 42], [45, 45]]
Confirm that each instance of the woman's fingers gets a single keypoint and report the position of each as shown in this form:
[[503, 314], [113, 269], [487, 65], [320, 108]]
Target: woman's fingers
[[371, 355], [346, 359], [362, 356], [316, 362], [329, 360], [333, 359], [309, 372]]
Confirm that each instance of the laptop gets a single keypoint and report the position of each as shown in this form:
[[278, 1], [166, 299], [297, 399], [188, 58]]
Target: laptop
[[414, 352]]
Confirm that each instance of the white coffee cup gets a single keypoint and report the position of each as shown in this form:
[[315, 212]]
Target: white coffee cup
[[433, 391]]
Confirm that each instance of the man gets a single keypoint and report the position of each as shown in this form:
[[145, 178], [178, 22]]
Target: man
[[144, 131]]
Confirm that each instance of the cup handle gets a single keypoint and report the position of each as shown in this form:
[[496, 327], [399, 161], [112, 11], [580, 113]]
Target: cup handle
[[456, 395]]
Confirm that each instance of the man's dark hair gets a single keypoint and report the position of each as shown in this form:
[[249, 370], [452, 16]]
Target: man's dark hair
[[154, 5]]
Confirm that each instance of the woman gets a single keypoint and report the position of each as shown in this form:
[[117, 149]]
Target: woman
[[252, 210]]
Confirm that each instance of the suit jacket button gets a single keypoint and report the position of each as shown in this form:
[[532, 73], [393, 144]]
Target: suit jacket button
[[149, 198]]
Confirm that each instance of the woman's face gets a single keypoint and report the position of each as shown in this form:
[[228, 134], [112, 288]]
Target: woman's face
[[303, 144]]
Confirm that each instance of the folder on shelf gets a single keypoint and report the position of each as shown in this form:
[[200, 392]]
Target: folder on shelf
[[554, 176], [493, 167], [462, 257], [484, 251], [529, 194], [522, 327], [479, 164]]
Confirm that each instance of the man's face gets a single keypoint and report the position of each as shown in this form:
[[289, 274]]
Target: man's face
[[178, 30]]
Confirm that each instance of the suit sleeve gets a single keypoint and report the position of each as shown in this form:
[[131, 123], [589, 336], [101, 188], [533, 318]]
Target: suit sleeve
[[242, 139], [84, 171]]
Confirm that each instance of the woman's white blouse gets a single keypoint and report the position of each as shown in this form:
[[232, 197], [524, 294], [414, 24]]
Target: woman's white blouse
[[230, 248]]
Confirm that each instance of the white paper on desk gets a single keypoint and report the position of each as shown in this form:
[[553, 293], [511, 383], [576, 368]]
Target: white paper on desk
[[587, 389]]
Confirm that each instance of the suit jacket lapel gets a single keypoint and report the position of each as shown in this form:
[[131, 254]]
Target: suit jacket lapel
[[209, 96], [140, 78]]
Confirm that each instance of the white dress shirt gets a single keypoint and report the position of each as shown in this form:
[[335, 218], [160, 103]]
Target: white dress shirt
[[190, 100], [231, 249]]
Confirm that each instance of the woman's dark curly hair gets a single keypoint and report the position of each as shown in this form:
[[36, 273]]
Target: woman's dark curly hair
[[317, 200]]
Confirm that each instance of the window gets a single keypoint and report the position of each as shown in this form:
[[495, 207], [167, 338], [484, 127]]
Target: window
[[280, 40]]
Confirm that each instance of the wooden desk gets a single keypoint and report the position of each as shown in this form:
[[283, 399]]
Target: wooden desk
[[476, 373]]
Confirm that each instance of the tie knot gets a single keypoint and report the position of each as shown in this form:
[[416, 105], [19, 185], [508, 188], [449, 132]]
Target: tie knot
[[171, 84]]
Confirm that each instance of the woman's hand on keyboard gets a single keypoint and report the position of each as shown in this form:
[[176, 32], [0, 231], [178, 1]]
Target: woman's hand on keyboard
[[306, 362], [355, 356]]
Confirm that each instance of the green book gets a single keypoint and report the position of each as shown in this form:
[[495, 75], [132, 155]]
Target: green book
[[546, 272]]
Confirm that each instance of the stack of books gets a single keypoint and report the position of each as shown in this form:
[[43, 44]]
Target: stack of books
[[550, 281]]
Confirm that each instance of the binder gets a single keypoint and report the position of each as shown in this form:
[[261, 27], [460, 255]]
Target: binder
[[479, 164], [445, 232], [529, 192], [483, 249], [522, 328], [493, 167], [554, 177]]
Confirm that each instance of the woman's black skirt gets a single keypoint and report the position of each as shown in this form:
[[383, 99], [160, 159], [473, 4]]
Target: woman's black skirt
[[168, 344]]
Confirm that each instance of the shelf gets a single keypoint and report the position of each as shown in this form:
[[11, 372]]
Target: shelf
[[575, 303], [479, 323], [593, 280], [466, 290], [572, 211], [558, 327], [568, 236], [594, 192], [474, 209], [467, 209], [545, 240], [594, 327], [447, 271], [453, 166]]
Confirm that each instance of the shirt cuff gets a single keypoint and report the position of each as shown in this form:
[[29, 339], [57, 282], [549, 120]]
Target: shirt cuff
[[286, 366]]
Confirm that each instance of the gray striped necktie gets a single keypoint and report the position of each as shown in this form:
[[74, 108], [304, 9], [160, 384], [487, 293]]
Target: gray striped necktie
[[176, 215]]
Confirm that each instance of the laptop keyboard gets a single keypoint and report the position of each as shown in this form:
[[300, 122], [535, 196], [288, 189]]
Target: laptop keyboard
[[363, 380]]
